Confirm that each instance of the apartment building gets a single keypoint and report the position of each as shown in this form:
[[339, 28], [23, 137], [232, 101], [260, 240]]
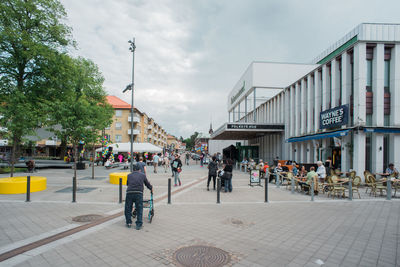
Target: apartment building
[[145, 129]]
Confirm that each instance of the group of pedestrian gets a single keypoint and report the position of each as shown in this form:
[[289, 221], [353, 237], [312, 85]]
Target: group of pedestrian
[[225, 173]]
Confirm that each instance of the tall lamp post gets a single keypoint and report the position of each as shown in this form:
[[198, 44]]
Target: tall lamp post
[[130, 87]]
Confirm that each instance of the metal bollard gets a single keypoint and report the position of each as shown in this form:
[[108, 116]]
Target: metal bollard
[[120, 190], [350, 189], [292, 184], [389, 188], [266, 190], [169, 190], [28, 189], [277, 180], [218, 190], [312, 190], [74, 189]]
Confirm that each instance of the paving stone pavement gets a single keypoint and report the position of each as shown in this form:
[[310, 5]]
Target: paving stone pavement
[[289, 231]]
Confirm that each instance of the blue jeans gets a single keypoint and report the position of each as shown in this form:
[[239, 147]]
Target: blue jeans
[[176, 176], [228, 185], [136, 198]]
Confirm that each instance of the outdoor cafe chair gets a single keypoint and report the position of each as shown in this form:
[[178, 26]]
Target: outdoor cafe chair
[[355, 185], [376, 186], [334, 187]]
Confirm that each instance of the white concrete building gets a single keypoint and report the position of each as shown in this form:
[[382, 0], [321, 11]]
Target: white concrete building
[[346, 105]]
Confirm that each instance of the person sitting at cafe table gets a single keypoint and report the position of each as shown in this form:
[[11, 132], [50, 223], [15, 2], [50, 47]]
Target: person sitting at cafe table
[[391, 169], [311, 175], [302, 172], [260, 168], [321, 171]]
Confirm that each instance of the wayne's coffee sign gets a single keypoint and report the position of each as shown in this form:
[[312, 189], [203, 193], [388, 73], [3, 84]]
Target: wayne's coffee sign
[[334, 117]]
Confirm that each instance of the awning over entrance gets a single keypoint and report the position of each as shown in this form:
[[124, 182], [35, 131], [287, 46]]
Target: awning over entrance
[[319, 136], [245, 131]]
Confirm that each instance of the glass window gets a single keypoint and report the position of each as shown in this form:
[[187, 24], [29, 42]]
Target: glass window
[[118, 126], [387, 76], [118, 113], [118, 138], [107, 128], [368, 120], [369, 75], [386, 120]]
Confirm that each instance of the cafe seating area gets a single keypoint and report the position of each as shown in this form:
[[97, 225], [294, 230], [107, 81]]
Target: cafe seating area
[[337, 184]]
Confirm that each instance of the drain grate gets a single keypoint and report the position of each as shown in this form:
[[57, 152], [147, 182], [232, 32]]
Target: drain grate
[[201, 256], [87, 218], [78, 190]]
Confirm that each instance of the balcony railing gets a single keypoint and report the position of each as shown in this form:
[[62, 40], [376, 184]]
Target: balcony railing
[[135, 119], [135, 131]]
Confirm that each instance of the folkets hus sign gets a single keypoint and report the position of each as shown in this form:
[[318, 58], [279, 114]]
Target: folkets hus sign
[[334, 117]]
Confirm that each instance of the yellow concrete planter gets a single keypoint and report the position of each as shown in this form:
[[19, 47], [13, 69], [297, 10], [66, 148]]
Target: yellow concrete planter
[[17, 185], [114, 177]]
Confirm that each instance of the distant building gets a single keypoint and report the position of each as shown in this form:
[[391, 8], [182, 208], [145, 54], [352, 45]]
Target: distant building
[[145, 129]]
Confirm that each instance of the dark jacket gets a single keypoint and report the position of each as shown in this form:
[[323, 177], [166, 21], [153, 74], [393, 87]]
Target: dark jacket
[[212, 168], [135, 182], [228, 171], [179, 164]]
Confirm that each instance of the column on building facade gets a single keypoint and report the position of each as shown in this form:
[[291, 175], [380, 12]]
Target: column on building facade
[[377, 153], [345, 154], [303, 111], [346, 92], [377, 84], [335, 83], [286, 111], [378, 105], [309, 103], [325, 92], [308, 152], [297, 105], [292, 112], [394, 139], [317, 99], [360, 76], [303, 152], [254, 106], [360, 69], [359, 153]]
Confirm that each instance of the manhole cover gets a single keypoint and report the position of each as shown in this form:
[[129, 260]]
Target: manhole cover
[[236, 221], [201, 256], [87, 218]]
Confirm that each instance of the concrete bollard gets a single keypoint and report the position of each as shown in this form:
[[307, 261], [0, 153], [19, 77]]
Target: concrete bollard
[[120, 190], [169, 190], [218, 190], [74, 189], [28, 189], [389, 188]]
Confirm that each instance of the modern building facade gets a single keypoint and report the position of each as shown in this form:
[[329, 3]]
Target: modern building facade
[[145, 130], [344, 106]]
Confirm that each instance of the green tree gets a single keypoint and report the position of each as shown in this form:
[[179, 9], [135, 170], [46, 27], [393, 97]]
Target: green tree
[[32, 35], [83, 111], [190, 141]]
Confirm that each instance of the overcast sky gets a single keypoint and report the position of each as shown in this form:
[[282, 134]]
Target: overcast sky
[[190, 54]]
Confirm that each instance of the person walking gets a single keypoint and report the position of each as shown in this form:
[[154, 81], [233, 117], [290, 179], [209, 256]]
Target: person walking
[[156, 158], [201, 159], [142, 165], [212, 172], [134, 194], [165, 163], [176, 165], [228, 168], [187, 157]]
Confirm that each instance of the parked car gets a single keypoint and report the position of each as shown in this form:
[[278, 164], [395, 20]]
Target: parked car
[[195, 156]]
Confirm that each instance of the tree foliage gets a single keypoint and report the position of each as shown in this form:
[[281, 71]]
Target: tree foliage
[[32, 35]]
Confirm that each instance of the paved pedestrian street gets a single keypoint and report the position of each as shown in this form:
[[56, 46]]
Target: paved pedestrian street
[[194, 230]]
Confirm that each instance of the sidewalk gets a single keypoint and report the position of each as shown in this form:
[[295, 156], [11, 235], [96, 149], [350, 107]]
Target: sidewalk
[[289, 231]]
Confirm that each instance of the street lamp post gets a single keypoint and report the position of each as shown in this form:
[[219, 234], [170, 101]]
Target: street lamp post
[[132, 49]]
